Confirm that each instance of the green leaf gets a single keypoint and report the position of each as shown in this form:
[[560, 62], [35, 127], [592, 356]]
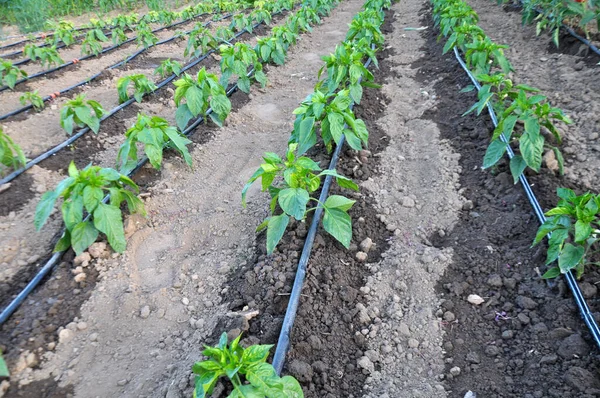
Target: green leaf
[[291, 387], [243, 84], [336, 126], [82, 236], [108, 220], [63, 243], [183, 116], [339, 202], [566, 193], [246, 391], [3, 367], [338, 223], [582, 231], [72, 211], [44, 208], [531, 150], [195, 100], [293, 201], [91, 197], [551, 273], [494, 153], [275, 231], [307, 138], [221, 105], [517, 166], [569, 257], [263, 377], [257, 353], [180, 142]]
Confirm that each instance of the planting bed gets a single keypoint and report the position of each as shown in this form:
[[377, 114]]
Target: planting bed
[[387, 317]]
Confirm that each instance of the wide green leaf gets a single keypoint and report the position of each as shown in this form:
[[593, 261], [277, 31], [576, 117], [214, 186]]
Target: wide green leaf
[[338, 223], [531, 150], [293, 202], [582, 231], [108, 220], [517, 166], [307, 138], [256, 353], [195, 100], [339, 202], [291, 387], [82, 236], [570, 257], [44, 208], [72, 211], [275, 230], [494, 153]]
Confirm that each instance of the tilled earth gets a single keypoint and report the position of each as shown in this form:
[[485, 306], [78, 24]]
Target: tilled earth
[[387, 318]]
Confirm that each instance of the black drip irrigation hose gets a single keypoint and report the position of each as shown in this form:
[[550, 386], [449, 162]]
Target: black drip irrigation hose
[[51, 263], [283, 343], [570, 31], [104, 51], [113, 111], [41, 38], [107, 31], [114, 66], [584, 309], [582, 39]]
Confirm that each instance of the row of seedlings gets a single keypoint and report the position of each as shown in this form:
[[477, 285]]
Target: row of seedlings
[[292, 181], [526, 125]]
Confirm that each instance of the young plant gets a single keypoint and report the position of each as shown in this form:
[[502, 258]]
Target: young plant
[[46, 55], [332, 114], [345, 69], [574, 226], [271, 50], [168, 67], [199, 42], [260, 15], [247, 370], [516, 105], [92, 44], [199, 93], [145, 37], [223, 33], [11, 155], [33, 98], [156, 135], [242, 22], [128, 21], [118, 36], [84, 190], [290, 182], [235, 61], [10, 74], [141, 87], [366, 25], [81, 112], [285, 34], [63, 31]]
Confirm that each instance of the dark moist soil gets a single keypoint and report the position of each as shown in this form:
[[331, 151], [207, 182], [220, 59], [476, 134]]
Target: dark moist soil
[[33, 326], [19, 193], [527, 339], [326, 340]]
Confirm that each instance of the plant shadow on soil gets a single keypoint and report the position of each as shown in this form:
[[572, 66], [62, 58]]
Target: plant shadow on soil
[[326, 340], [527, 339]]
